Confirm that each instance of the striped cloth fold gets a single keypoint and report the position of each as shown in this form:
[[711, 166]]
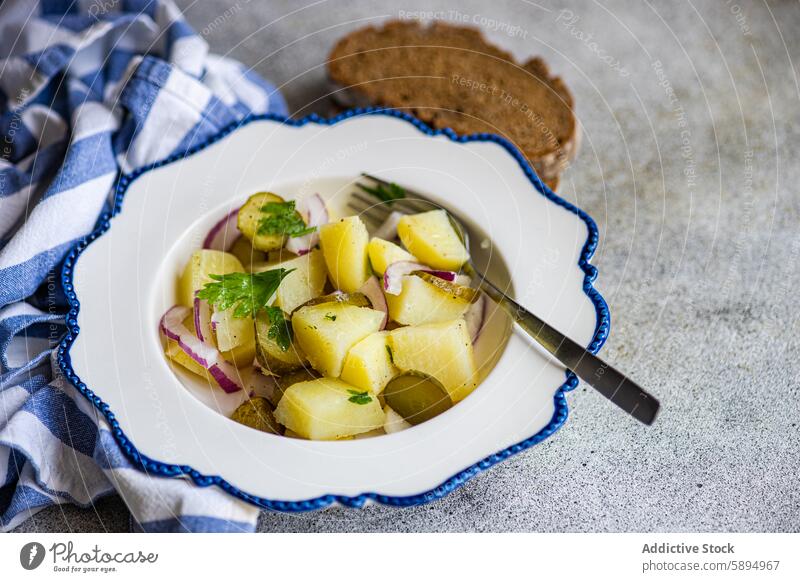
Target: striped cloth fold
[[89, 89]]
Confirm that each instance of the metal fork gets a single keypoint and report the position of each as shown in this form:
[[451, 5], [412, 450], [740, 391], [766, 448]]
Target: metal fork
[[609, 381]]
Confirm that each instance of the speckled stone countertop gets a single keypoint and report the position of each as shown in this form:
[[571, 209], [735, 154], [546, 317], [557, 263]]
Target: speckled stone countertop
[[690, 117]]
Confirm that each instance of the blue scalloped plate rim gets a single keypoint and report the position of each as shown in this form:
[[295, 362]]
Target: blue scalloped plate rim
[[155, 467]]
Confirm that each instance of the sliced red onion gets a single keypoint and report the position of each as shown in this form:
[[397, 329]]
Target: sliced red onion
[[372, 289], [209, 357], [315, 213], [448, 276], [393, 276], [388, 230], [226, 375], [214, 321], [223, 234], [475, 317], [203, 322]]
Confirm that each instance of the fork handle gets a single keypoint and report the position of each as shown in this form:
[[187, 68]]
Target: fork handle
[[609, 381]]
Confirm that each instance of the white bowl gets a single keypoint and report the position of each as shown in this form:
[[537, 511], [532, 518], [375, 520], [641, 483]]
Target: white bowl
[[171, 424]]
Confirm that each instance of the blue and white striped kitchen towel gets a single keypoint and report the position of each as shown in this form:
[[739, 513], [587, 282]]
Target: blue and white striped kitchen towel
[[89, 88]]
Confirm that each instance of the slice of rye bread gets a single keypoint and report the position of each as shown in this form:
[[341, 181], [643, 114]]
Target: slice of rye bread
[[450, 76]]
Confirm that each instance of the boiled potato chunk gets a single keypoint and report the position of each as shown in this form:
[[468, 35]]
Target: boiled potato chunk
[[440, 350], [325, 409], [270, 355], [383, 253], [249, 220], [368, 364], [420, 302], [233, 332], [234, 336], [344, 245], [305, 282], [394, 422], [432, 239], [357, 299], [327, 331], [202, 264], [241, 356]]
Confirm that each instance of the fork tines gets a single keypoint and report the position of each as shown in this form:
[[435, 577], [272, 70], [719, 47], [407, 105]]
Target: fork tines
[[365, 203], [368, 208]]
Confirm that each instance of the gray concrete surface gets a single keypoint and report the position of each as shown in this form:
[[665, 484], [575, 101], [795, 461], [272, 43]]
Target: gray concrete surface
[[698, 260]]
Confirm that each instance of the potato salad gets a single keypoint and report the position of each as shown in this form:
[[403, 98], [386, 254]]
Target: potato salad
[[331, 332]]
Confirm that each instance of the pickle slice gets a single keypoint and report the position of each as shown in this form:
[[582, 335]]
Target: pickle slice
[[269, 354], [454, 289], [416, 397], [249, 219], [357, 299], [257, 413]]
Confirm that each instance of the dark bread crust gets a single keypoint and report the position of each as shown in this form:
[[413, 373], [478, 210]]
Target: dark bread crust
[[450, 76]]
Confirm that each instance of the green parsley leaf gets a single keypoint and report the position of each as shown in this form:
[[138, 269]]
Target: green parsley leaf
[[248, 292], [391, 355], [359, 397], [330, 317], [282, 218], [280, 328], [385, 193]]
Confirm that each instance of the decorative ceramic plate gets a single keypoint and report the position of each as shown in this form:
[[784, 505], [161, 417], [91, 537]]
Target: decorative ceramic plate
[[120, 281]]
